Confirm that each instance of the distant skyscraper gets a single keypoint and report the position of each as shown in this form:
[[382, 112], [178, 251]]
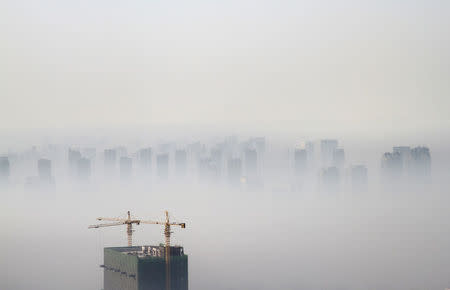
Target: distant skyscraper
[[420, 163], [259, 143], [84, 169], [4, 169], [110, 158], [74, 156], [339, 158], [195, 148], [217, 158], [45, 170], [121, 151], [143, 268], [180, 162], [145, 159], [309, 147], [162, 165], [300, 161], [327, 148], [126, 167], [251, 162], [208, 169], [405, 156], [234, 170], [330, 179], [90, 153], [391, 167], [166, 147], [359, 178], [405, 151]]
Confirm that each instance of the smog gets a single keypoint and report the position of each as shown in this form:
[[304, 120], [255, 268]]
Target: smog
[[304, 145]]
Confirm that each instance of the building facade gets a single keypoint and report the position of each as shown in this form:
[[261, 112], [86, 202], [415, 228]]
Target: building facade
[[144, 268]]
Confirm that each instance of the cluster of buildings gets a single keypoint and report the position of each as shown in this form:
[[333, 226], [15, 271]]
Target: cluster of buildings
[[249, 163], [329, 166], [406, 165]]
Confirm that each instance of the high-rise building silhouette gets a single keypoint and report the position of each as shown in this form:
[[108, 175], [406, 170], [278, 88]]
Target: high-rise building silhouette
[[180, 162], [84, 169], [4, 169], [74, 156], [391, 167], [143, 268], [121, 151], [145, 159], [259, 143], [420, 163], [162, 166], [234, 168], [309, 147], [405, 156], [126, 167], [251, 162], [339, 158], [45, 170], [330, 179], [208, 169], [327, 148], [109, 161], [90, 153], [217, 158], [300, 161]]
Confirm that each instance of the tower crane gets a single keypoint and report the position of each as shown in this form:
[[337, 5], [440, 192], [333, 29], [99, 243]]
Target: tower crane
[[118, 221], [129, 222]]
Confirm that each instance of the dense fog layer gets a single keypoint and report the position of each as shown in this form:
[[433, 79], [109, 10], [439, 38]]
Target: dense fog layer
[[274, 226], [338, 178]]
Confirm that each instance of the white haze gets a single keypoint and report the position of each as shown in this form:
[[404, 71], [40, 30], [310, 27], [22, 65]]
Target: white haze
[[269, 238]]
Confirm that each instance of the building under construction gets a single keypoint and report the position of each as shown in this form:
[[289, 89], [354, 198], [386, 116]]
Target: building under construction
[[144, 268]]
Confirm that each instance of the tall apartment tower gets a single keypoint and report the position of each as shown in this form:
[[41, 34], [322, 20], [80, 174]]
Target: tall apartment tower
[[84, 169], [327, 148], [126, 167], [309, 147], [162, 165], [109, 161], [180, 162], [330, 179], [251, 162], [405, 156], [217, 157], [420, 163], [74, 156], [45, 170], [90, 153], [4, 169], [145, 159], [143, 268], [121, 151], [391, 167], [339, 158], [234, 167], [300, 161]]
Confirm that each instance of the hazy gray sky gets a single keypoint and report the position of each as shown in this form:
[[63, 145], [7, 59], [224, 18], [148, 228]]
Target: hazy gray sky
[[103, 63]]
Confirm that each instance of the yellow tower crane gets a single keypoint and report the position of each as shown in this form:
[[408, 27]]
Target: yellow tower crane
[[129, 222]]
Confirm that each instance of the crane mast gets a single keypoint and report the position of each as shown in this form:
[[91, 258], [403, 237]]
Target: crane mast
[[167, 251]]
